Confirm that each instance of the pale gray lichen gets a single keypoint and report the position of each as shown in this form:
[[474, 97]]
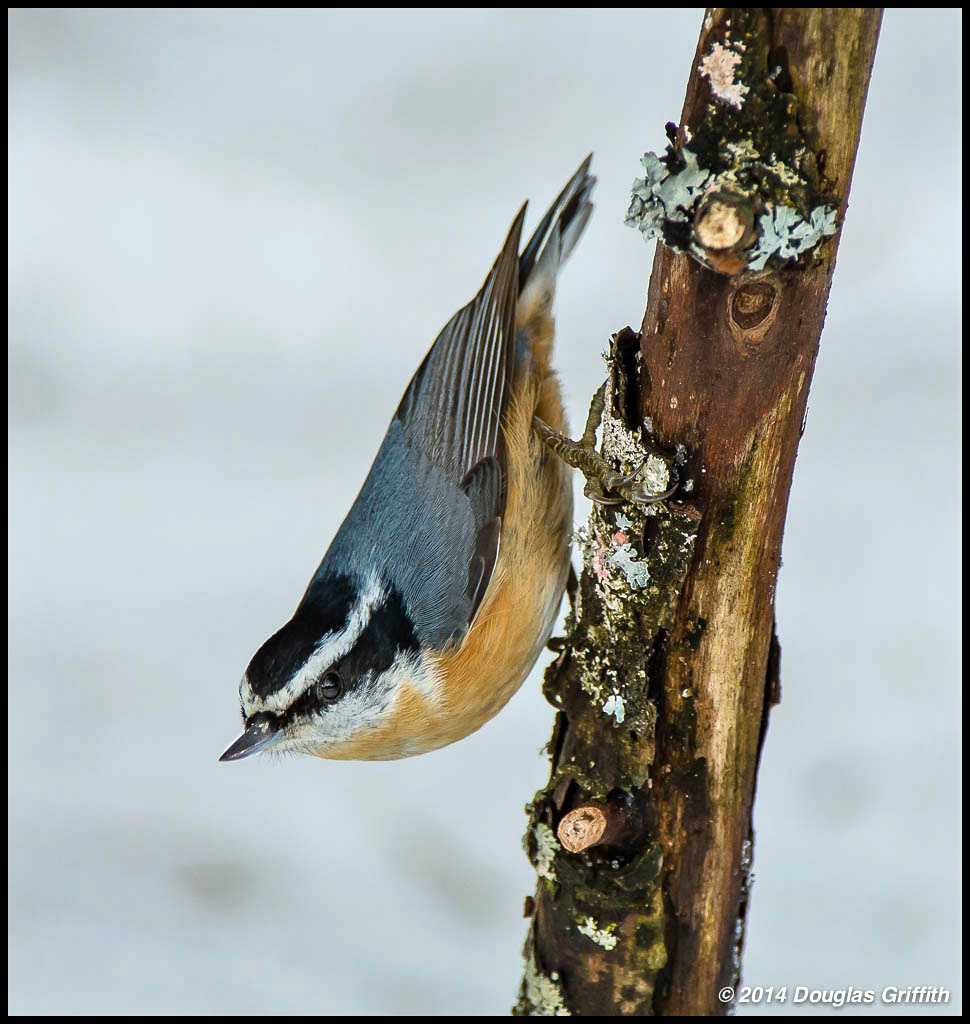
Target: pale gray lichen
[[547, 846], [627, 448], [747, 154], [656, 474], [785, 234], [612, 555], [601, 936], [663, 198], [625, 559], [741, 153], [664, 195], [615, 563], [618, 440], [543, 994], [616, 706], [598, 680]]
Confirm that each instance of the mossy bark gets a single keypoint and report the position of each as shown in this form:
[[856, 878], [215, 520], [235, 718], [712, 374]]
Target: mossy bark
[[671, 664]]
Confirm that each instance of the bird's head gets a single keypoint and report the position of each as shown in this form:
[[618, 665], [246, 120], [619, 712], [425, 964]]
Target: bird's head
[[332, 681]]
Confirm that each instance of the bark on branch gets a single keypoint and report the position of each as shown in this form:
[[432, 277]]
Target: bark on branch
[[671, 664]]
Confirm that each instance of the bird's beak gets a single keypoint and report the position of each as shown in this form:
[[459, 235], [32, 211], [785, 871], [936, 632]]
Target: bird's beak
[[257, 737]]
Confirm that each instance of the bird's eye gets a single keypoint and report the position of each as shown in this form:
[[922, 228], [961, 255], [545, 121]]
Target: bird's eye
[[329, 688]]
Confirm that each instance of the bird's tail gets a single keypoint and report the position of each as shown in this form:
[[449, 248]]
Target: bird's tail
[[557, 234]]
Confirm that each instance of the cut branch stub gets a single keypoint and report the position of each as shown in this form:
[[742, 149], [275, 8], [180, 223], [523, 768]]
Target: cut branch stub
[[582, 828], [591, 824], [724, 227]]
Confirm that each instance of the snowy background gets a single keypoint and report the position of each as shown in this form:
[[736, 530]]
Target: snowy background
[[233, 235]]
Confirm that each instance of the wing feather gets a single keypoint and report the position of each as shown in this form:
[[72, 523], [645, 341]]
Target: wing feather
[[452, 412], [453, 408]]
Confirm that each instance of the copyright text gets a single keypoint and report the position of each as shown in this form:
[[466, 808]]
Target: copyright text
[[891, 995]]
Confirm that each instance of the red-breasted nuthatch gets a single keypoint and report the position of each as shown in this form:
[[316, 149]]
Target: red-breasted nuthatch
[[443, 584]]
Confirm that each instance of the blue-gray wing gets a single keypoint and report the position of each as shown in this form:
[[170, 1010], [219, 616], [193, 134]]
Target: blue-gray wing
[[453, 406], [430, 512], [452, 413]]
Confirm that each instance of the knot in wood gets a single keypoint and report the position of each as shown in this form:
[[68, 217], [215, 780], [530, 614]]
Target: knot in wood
[[752, 309], [751, 304]]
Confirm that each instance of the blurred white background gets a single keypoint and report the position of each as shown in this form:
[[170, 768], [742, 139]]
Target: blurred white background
[[233, 235]]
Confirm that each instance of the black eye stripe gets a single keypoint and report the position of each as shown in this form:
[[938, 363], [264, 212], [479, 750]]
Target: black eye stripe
[[389, 632]]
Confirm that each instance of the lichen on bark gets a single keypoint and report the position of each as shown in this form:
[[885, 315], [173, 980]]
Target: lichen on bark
[[635, 558], [739, 190]]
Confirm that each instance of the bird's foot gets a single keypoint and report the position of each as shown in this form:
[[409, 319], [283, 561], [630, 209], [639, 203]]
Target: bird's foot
[[603, 484]]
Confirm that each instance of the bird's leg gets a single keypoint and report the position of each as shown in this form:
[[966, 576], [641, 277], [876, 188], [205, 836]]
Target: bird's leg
[[603, 484]]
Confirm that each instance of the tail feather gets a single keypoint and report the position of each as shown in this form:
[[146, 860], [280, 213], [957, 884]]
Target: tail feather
[[559, 230], [546, 268], [574, 229]]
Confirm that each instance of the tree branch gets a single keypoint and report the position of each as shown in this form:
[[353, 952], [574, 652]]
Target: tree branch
[[671, 663]]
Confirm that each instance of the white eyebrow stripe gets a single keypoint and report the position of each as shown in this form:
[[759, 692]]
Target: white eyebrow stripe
[[331, 648]]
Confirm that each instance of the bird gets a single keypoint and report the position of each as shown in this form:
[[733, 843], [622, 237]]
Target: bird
[[442, 586]]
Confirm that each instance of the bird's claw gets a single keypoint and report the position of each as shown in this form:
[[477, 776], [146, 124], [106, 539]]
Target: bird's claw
[[629, 488], [604, 485]]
